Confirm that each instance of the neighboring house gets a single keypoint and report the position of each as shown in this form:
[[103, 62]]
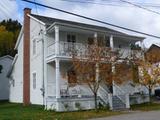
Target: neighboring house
[[5, 64], [44, 57], [153, 55]]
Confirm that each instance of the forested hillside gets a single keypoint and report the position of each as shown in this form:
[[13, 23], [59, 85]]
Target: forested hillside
[[9, 30]]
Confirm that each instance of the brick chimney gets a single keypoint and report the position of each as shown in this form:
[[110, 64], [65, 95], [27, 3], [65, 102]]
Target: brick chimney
[[26, 57]]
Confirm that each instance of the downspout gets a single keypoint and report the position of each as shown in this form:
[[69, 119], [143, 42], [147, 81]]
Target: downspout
[[43, 92], [43, 83]]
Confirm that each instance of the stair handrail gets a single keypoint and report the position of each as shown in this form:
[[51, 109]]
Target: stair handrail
[[121, 96], [105, 92], [119, 89]]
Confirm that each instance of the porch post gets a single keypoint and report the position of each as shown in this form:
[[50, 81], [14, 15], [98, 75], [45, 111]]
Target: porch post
[[56, 40], [111, 42], [113, 65], [57, 78], [113, 84], [95, 38]]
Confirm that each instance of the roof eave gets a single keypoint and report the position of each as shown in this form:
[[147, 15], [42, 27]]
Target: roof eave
[[6, 56], [19, 38], [11, 68], [51, 27], [36, 20]]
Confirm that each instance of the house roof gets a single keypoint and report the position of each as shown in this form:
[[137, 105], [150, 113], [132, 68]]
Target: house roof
[[6, 56], [156, 44], [153, 46], [152, 54], [49, 21], [12, 65]]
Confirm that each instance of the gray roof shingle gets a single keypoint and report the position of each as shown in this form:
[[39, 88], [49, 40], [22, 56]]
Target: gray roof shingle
[[49, 21]]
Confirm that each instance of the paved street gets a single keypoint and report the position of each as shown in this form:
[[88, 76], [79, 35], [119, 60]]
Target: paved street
[[153, 115]]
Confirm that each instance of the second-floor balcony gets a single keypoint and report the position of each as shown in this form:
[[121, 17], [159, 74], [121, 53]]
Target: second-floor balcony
[[63, 40]]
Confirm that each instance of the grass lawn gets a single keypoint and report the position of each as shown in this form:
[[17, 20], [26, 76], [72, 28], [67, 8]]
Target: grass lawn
[[9, 111], [146, 107]]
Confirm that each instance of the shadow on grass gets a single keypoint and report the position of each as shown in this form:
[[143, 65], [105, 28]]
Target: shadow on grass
[[146, 106]]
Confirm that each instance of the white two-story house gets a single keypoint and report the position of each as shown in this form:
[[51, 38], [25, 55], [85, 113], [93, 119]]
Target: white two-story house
[[44, 58]]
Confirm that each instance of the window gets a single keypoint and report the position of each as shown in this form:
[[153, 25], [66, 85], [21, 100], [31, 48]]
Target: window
[[72, 78], [13, 82], [107, 41], [34, 46], [34, 80], [100, 41], [1, 67], [71, 38], [90, 40]]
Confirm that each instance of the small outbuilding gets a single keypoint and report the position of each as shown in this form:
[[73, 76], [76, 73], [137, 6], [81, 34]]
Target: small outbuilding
[[5, 64]]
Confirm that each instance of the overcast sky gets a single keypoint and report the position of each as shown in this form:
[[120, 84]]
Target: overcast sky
[[128, 16]]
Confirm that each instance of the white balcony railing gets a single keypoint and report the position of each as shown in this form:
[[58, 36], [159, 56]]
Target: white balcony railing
[[51, 49], [66, 48]]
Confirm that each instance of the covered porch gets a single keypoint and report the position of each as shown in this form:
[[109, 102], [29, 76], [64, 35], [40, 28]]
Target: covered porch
[[61, 93]]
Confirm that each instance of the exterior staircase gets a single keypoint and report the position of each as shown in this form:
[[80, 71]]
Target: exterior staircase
[[118, 104], [117, 101], [120, 99]]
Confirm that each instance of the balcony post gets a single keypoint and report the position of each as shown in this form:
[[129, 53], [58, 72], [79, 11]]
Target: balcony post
[[57, 78], [142, 45], [56, 40], [111, 42]]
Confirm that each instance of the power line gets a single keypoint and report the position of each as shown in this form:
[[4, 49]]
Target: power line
[[139, 6], [91, 2], [92, 19], [36, 7], [118, 1], [112, 3]]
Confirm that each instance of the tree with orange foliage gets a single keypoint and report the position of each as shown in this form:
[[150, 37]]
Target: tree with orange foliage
[[149, 69], [93, 65], [123, 72], [149, 75]]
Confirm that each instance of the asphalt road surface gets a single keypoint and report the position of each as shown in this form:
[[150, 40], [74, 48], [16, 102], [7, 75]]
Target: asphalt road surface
[[152, 115]]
